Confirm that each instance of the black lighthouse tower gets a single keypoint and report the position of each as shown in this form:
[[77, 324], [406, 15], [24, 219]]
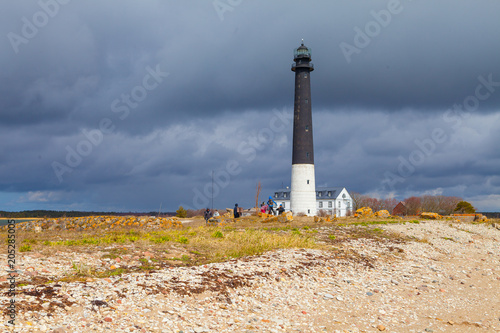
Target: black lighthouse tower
[[303, 189], [303, 151]]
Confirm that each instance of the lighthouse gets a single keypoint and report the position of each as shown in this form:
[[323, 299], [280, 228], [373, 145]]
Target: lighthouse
[[303, 187]]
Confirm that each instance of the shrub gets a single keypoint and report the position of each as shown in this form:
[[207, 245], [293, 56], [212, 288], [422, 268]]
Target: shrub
[[322, 213], [160, 240], [181, 212], [464, 207], [218, 234], [114, 272], [182, 240], [25, 248]]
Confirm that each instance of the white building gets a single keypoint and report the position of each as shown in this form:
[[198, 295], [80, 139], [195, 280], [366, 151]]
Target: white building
[[332, 200]]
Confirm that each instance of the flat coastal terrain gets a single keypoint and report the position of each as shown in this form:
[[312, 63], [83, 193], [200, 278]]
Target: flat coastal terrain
[[348, 275]]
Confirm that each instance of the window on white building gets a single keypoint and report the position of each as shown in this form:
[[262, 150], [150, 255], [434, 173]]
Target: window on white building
[[330, 204], [321, 204]]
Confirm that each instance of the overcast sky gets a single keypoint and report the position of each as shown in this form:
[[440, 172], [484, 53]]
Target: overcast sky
[[129, 105]]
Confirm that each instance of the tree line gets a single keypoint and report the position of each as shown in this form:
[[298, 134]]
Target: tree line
[[444, 205]]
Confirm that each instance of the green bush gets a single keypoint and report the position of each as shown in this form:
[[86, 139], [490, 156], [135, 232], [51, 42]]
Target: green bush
[[181, 212], [182, 240], [464, 207], [160, 240], [25, 248], [218, 234]]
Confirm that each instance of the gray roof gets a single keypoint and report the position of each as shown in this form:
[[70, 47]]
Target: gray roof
[[321, 193], [328, 192], [281, 194]]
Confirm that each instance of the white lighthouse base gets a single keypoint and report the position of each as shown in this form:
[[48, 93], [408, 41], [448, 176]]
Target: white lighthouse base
[[303, 190]]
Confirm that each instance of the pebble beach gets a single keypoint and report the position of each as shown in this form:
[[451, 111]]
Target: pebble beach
[[447, 279]]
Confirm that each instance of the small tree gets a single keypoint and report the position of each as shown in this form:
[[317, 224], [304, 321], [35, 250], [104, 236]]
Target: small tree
[[389, 204], [181, 212], [413, 206], [322, 213], [464, 207], [358, 200]]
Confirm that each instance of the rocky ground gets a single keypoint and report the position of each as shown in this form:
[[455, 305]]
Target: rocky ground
[[446, 280]]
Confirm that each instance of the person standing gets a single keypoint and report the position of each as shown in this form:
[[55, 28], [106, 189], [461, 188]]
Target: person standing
[[207, 215], [270, 205], [235, 211]]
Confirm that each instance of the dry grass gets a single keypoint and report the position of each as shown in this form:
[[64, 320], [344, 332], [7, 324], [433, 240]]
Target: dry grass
[[231, 243], [211, 243], [196, 243]]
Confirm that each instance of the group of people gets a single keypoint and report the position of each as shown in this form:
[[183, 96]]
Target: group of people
[[208, 214], [269, 207]]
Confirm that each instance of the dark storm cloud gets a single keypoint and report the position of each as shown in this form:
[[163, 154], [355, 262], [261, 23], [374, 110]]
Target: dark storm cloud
[[225, 77], [99, 51]]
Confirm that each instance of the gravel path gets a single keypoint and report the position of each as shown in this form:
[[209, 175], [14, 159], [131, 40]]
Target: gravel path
[[449, 281]]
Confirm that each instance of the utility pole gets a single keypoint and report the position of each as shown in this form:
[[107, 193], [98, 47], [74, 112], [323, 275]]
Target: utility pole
[[212, 190]]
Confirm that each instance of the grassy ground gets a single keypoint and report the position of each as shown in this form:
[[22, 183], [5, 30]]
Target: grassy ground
[[197, 244]]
